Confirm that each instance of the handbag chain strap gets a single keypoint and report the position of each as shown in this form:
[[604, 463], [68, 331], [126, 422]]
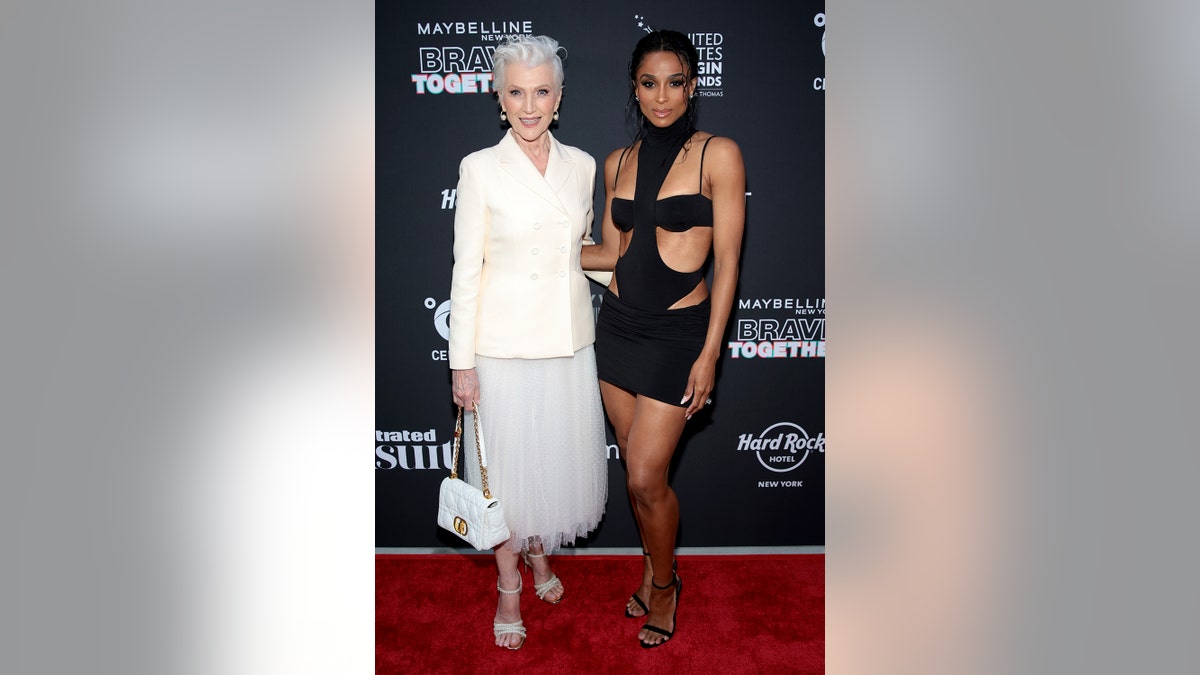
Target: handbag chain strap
[[487, 493], [479, 453]]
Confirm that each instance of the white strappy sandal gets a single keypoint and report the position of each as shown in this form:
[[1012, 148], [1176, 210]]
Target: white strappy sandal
[[548, 586], [515, 628]]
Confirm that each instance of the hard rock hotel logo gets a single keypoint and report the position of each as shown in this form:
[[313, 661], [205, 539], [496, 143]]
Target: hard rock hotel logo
[[782, 448], [458, 68], [794, 329]]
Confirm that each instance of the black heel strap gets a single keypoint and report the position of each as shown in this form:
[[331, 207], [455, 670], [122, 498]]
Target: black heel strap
[[674, 580]]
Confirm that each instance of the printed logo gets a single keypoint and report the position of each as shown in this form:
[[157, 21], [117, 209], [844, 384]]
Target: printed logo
[[781, 448], [819, 22], [441, 324], [794, 329], [411, 450], [458, 69]]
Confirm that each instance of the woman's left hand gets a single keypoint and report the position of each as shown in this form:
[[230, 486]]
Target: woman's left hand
[[700, 385]]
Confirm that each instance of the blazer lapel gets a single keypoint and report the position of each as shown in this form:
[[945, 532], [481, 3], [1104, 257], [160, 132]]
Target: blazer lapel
[[559, 167]]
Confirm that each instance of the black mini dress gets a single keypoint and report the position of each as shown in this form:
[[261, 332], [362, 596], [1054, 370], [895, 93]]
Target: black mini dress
[[641, 345]]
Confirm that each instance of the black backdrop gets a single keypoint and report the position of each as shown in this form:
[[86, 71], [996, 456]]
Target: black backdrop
[[750, 470]]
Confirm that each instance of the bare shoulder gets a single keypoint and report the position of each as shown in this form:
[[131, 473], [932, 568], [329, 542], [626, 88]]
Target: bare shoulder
[[614, 159], [723, 149], [615, 155]]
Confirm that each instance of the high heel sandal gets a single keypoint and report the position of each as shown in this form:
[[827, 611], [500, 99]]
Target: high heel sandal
[[548, 586], [515, 628], [678, 584], [638, 601]]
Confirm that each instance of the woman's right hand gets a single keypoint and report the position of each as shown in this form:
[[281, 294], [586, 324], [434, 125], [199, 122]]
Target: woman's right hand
[[465, 386]]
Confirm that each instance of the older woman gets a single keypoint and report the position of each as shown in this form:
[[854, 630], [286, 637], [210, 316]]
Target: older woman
[[676, 200], [522, 328]]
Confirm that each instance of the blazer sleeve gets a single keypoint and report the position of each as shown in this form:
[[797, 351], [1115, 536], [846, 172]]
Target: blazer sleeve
[[602, 277], [470, 234]]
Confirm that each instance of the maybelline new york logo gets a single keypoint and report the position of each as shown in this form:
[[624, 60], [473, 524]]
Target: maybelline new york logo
[[454, 69], [780, 448], [710, 48], [796, 329]]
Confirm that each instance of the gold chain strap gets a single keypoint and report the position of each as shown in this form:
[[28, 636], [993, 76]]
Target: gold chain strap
[[487, 493], [479, 453], [457, 438]]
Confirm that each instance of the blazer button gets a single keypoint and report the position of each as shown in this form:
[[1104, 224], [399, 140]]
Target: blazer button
[[563, 223], [533, 276], [562, 249], [562, 273], [537, 226], [534, 251]]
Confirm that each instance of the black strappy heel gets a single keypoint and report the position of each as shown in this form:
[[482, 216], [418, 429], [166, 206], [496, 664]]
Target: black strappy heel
[[638, 601], [678, 584]]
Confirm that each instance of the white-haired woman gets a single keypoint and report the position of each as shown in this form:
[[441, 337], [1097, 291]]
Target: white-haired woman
[[522, 327]]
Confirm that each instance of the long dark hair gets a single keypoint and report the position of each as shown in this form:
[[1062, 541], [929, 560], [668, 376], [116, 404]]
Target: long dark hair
[[660, 41]]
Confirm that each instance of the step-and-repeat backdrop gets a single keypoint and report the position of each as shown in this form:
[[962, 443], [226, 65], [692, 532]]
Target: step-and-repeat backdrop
[[750, 469]]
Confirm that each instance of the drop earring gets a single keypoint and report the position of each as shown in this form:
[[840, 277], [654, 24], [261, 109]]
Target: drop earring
[[503, 116], [555, 115]]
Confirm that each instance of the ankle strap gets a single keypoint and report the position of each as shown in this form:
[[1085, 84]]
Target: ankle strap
[[520, 585], [674, 580]]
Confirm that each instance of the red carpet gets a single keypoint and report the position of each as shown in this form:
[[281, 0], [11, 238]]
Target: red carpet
[[737, 614]]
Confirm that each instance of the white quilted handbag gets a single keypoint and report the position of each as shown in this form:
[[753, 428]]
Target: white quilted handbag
[[472, 514]]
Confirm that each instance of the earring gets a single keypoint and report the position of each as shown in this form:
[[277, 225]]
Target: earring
[[555, 115], [503, 116], [637, 99]]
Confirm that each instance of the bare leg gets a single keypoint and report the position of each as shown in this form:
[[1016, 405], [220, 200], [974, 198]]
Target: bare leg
[[508, 609], [542, 572], [619, 405], [643, 591], [653, 438]]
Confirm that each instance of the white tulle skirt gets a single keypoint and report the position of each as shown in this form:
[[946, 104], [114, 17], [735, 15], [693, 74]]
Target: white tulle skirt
[[543, 428]]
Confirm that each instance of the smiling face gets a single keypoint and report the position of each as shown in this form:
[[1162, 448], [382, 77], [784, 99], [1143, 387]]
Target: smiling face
[[662, 87], [530, 99]]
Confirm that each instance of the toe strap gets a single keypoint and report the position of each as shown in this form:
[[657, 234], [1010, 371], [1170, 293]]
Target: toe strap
[[547, 586], [517, 628], [656, 629], [639, 603]]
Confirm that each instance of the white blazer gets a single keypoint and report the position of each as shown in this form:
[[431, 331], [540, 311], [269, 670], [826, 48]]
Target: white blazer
[[517, 290]]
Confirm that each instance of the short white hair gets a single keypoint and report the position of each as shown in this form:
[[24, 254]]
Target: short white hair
[[530, 51]]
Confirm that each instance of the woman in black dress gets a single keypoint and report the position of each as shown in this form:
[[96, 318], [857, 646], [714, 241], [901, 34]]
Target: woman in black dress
[[675, 202]]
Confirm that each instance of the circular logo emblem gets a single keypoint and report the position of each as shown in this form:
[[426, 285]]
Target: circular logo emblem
[[784, 446], [441, 320]]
